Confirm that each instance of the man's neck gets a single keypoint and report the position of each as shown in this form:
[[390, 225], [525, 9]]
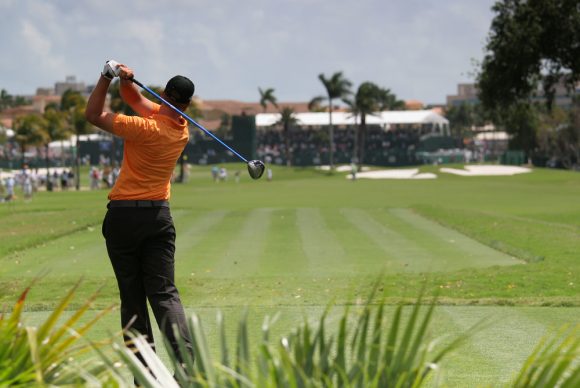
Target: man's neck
[[167, 111]]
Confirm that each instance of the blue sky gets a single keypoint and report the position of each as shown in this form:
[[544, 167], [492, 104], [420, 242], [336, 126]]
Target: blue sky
[[420, 49]]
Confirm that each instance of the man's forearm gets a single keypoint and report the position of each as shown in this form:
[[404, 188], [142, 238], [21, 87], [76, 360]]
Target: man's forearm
[[95, 106], [133, 97], [129, 92]]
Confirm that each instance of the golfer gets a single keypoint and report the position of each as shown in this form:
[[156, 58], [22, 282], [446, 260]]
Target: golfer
[[138, 227]]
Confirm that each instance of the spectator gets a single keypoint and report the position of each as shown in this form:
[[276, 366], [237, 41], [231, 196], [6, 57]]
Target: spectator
[[64, 180], [10, 182], [94, 178], [223, 175], [27, 186], [215, 173]]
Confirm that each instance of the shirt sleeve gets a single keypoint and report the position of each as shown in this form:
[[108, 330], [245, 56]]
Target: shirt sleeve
[[135, 128]]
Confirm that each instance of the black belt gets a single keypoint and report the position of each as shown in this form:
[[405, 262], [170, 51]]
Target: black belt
[[137, 203]]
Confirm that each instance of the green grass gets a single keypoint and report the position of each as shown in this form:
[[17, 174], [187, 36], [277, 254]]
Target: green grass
[[308, 238], [507, 240]]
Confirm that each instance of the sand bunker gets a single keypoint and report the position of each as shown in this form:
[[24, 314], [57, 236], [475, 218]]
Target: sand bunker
[[393, 174], [487, 170], [339, 168]]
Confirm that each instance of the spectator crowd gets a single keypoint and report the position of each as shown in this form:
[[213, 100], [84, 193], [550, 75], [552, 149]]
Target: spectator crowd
[[311, 146]]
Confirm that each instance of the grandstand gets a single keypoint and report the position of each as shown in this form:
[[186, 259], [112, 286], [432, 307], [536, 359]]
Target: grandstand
[[392, 137]]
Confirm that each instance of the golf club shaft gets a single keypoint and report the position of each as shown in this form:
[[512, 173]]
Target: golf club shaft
[[189, 119]]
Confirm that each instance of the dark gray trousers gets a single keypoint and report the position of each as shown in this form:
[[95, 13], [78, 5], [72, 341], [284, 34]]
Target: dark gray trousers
[[141, 246]]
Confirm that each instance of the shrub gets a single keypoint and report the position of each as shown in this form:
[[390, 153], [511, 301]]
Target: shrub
[[555, 362], [365, 351], [50, 353]]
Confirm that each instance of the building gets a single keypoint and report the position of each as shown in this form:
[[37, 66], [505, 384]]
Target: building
[[213, 111], [467, 94], [70, 83]]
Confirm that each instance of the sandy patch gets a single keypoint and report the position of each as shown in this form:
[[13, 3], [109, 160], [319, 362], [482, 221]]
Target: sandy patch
[[393, 174], [345, 168], [487, 170]]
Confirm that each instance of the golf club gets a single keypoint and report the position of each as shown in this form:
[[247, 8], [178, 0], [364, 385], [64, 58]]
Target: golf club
[[255, 167]]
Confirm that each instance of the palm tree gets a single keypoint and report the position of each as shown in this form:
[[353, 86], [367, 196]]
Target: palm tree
[[6, 99], [74, 104], [56, 129], [267, 96], [287, 120], [336, 87], [30, 130], [389, 101], [367, 100]]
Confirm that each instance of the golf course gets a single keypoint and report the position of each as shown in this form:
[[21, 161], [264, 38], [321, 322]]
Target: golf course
[[498, 249]]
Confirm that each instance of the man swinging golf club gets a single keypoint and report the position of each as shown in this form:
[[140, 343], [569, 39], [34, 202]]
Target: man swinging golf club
[[138, 228]]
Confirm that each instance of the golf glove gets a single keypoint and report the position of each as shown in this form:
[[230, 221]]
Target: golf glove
[[111, 69]]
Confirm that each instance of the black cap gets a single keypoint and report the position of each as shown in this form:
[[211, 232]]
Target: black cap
[[180, 89]]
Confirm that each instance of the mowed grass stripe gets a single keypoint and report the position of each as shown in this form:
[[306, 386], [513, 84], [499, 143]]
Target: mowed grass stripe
[[403, 254], [452, 249], [283, 254], [201, 260], [321, 247], [191, 231], [243, 245], [363, 256]]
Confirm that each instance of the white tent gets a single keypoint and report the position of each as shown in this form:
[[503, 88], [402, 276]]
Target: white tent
[[9, 132], [384, 119], [72, 141]]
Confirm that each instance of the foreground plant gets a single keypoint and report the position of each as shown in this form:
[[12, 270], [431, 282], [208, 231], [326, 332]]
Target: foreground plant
[[51, 353], [366, 351]]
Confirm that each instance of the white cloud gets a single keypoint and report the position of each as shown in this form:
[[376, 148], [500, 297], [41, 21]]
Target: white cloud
[[34, 40], [420, 49]]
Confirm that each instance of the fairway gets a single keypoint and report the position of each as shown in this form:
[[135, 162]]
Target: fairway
[[308, 239], [268, 242]]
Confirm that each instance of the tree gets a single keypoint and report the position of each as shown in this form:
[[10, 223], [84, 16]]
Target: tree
[[29, 130], [6, 99], [336, 87], [287, 120], [389, 101], [462, 118], [558, 135], [56, 129], [315, 105], [531, 42], [368, 99], [521, 121], [3, 135], [267, 96], [195, 113], [74, 104], [532, 46]]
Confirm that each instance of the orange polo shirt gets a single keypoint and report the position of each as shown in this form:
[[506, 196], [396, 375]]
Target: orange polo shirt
[[152, 146]]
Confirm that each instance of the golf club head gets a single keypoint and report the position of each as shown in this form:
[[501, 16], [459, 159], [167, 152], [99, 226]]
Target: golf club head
[[256, 168]]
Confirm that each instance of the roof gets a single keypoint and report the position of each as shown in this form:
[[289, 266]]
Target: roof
[[346, 118], [234, 107]]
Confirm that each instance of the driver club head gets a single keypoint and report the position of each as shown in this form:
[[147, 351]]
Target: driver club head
[[256, 168]]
